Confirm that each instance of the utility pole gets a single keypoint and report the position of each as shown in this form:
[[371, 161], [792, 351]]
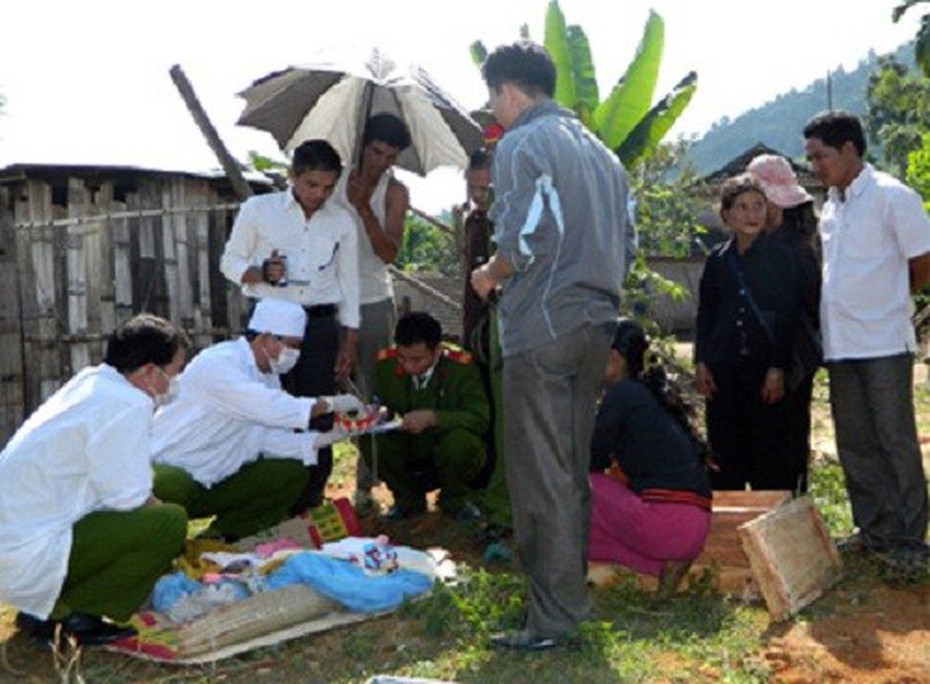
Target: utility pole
[[829, 92]]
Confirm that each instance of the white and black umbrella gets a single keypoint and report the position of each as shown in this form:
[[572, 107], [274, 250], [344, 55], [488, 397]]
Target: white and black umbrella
[[331, 98]]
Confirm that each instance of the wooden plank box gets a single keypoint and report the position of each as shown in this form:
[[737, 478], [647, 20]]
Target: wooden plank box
[[730, 510], [792, 556]]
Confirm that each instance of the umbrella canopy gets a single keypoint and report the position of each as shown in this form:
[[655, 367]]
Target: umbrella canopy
[[331, 98]]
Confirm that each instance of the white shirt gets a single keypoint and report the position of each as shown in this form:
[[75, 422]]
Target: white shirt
[[865, 309], [228, 413], [376, 282], [322, 253], [84, 450]]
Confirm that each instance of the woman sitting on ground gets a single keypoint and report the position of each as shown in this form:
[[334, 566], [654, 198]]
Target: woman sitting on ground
[[651, 511]]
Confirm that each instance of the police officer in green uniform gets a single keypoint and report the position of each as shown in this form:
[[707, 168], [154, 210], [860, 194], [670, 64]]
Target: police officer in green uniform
[[436, 389]]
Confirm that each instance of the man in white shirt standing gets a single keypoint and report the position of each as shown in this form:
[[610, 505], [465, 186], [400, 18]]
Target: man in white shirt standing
[[81, 536], [296, 245], [876, 253], [227, 445]]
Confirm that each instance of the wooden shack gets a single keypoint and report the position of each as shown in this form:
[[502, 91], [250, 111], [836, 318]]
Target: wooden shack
[[83, 248]]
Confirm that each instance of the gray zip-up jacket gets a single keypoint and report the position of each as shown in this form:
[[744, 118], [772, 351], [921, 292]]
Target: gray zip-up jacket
[[561, 220]]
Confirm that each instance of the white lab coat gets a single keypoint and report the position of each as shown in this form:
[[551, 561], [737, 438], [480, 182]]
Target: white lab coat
[[228, 413], [84, 450]]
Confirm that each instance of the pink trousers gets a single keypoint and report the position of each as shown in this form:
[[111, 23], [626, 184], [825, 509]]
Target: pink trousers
[[642, 535]]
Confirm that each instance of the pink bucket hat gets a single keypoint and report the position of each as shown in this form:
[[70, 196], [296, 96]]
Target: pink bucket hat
[[777, 179]]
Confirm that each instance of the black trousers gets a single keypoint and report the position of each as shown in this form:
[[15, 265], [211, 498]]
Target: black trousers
[[748, 437], [798, 431], [314, 376]]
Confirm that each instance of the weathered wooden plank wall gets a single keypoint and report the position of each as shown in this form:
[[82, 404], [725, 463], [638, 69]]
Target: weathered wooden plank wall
[[11, 331], [68, 286]]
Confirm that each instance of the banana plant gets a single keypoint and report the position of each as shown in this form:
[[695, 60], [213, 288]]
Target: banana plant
[[922, 39], [626, 121]]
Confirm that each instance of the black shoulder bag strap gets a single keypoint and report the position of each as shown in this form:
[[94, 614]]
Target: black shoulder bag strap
[[734, 266]]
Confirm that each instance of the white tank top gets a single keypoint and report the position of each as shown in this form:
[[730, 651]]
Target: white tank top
[[375, 280]]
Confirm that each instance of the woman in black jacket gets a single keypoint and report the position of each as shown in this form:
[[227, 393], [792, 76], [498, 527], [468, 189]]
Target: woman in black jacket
[[651, 510], [747, 315]]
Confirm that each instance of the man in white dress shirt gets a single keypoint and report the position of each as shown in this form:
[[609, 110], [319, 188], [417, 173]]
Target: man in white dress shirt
[[233, 443], [297, 245], [81, 537], [876, 253]]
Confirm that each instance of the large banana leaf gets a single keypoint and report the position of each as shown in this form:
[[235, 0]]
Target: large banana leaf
[[558, 47], [629, 102], [645, 137], [587, 97]]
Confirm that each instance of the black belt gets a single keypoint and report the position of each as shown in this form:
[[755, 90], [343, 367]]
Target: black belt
[[321, 310]]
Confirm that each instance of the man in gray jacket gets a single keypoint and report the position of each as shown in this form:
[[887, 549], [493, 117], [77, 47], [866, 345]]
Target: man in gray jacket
[[564, 242]]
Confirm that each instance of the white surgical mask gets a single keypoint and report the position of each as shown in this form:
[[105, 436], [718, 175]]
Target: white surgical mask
[[286, 360]]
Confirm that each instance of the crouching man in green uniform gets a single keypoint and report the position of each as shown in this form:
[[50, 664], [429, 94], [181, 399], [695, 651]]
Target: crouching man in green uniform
[[436, 389]]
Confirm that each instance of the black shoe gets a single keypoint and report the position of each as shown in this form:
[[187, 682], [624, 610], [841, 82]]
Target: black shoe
[[35, 628], [90, 630], [904, 565], [859, 544], [522, 640]]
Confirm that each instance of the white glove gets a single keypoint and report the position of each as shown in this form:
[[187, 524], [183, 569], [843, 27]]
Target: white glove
[[344, 403], [326, 439]]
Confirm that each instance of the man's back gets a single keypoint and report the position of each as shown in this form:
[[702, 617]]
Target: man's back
[[561, 216]]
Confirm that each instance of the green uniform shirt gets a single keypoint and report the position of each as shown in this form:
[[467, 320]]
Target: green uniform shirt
[[454, 391]]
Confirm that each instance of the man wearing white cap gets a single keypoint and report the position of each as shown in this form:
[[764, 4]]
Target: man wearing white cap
[[227, 445]]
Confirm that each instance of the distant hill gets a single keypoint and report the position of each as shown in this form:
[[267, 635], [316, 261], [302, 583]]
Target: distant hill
[[778, 123]]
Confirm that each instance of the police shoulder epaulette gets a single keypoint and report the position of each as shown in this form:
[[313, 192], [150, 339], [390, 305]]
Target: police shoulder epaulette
[[384, 354], [457, 354]]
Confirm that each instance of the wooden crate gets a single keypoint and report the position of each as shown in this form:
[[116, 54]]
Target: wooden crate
[[730, 510], [792, 556]]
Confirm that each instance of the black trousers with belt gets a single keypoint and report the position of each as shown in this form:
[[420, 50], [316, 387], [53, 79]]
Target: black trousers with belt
[[314, 376]]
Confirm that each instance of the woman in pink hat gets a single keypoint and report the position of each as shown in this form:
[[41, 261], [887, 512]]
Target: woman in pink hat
[[792, 221]]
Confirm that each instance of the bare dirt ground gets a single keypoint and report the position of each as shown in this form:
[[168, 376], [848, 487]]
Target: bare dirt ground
[[863, 630]]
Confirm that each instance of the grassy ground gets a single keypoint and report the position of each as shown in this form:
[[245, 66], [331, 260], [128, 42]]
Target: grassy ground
[[862, 630]]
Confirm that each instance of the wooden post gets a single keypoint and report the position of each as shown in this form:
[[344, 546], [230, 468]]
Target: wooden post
[[41, 330], [172, 229], [432, 220], [78, 205], [201, 265], [122, 267], [239, 184], [101, 267]]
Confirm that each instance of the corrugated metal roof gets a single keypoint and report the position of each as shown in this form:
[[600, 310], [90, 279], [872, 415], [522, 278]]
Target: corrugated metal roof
[[20, 172]]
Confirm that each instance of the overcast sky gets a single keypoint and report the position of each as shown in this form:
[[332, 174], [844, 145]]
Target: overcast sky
[[86, 81]]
